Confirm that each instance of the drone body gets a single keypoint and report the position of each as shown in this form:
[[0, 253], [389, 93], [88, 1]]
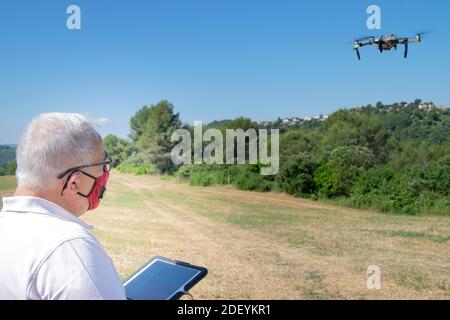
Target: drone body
[[386, 43]]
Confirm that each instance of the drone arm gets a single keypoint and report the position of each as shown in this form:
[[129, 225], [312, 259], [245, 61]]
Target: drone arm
[[408, 40], [363, 44], [357, 53]]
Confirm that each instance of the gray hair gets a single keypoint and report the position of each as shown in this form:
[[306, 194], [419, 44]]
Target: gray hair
[[51, 144]]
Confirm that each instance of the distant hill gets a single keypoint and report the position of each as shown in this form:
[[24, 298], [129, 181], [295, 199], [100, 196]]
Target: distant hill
[[7, 155], [389, 157], [416, 119], [14, 146]]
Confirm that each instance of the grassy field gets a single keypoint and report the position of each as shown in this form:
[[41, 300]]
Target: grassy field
[[7, 185], [268, 245]]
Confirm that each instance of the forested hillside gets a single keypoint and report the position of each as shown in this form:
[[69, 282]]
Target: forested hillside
[[394, 158]]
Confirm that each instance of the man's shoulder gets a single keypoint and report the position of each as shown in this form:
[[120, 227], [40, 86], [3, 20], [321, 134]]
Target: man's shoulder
[[27, 240], [38, 234]]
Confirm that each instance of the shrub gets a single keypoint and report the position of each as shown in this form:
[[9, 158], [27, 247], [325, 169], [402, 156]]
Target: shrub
[[184, 172], [347, 163], [244, 177], [207, 178], [417, 190], [136, 166], [374, 180], [206, 175], [325, 181], [296, 176], [248, 177]]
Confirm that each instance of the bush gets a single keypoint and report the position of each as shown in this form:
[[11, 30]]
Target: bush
[[248, 177], [206, 175], [244, 177], [136, 166], [207, 178], [325, 181], [296, 176], [374, 180], [143, 169], [184, 172], [440, 206], [437, 178], [347, 163], [418, 190]]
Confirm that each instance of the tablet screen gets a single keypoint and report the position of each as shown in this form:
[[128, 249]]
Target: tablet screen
[[159, 280]]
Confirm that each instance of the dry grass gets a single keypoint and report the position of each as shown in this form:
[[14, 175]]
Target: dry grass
[[272, 246]]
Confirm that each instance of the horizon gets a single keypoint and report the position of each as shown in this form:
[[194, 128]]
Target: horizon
[[212, 61], [324, 117]]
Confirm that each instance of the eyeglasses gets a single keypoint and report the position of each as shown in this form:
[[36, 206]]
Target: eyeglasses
[[106, 167]]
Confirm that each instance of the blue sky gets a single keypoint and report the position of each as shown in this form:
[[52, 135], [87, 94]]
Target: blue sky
[[213, 59]]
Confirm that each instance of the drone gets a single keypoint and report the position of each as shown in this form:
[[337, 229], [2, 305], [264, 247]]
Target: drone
[[386, 43]]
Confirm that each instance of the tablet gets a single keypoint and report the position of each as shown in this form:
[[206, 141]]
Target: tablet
[[163, 279]]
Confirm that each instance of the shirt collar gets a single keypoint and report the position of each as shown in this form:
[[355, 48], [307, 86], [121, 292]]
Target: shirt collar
[[26, 204]]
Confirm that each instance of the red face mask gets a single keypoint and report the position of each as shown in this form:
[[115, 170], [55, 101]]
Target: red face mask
[[97, 191], [99, 187]]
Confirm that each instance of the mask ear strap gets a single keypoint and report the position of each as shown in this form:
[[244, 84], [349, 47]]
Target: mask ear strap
[[72, 176]]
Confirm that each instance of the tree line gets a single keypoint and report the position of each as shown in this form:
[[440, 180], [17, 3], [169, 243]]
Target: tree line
[[393, 158], [7, 161]]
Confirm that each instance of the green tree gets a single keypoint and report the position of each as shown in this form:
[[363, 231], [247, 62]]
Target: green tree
[[118, 149], [154, 144], [348, 128], [138, 123], [295, 142], [7, 155], [347, 163], [10, 169]]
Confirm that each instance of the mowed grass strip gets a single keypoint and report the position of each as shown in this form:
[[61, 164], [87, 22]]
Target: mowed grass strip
[[7, 183], [415, 235], [401, 244], [7, 186]]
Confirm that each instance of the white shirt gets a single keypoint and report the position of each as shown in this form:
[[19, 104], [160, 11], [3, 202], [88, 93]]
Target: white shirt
[[48, 253]]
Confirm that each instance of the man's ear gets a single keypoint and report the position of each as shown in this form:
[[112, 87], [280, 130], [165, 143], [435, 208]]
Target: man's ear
[[72, 183]]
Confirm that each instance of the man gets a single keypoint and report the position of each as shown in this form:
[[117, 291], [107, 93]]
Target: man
[[46, 251]]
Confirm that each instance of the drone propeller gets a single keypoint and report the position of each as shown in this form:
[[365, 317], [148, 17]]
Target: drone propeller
[[423, 33], [420, 35]]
